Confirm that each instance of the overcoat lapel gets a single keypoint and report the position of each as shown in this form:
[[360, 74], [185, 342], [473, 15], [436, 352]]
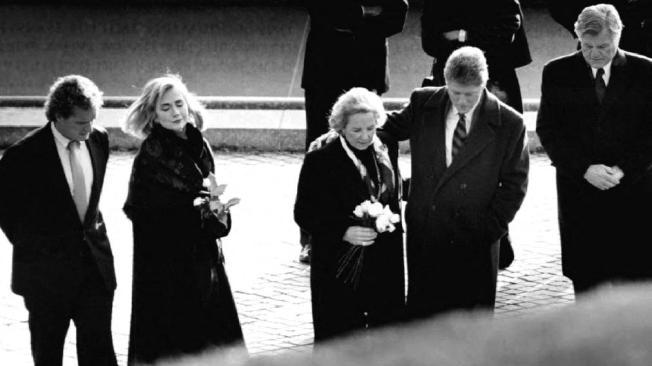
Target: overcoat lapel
[[482, 134], [99, 166], [617, 82]]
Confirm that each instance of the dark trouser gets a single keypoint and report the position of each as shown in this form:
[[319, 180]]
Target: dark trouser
[[90, 309]]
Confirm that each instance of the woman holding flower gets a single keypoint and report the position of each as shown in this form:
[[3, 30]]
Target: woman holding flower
[[182, 302], [348, 200]]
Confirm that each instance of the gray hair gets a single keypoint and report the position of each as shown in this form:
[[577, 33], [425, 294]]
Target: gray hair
[[71, 91], [356, 100], [142, 113], [468, 66], [593, 19]]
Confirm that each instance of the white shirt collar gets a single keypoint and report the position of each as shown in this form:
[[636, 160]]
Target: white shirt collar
[[468, 115], [58, 137], [607, 72]]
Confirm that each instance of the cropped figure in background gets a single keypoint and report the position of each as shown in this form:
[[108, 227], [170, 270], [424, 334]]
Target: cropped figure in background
[[497, 28], [636, 16], [595, 123], [357, 276], [469, 177], [346, 47], [182, 301], [49, 197]]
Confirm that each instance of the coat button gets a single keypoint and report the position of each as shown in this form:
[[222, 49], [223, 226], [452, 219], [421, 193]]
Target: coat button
[[463, 186], [433, 207]]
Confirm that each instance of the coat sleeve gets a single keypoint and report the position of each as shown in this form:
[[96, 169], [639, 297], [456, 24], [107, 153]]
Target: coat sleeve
[[565, 12], [389, 22], [347, 16], [333, 15], [10, 188], [636, 160], [564, 151], [315, 208], [513, 181], [488, 27], [400, 124]]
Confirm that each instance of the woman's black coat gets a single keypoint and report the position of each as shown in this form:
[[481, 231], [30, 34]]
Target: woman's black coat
[[329, 189], [182, 302]]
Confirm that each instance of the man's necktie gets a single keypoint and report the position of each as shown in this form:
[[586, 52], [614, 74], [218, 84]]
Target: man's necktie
[[79, 194], [600, 86], [458, 136]]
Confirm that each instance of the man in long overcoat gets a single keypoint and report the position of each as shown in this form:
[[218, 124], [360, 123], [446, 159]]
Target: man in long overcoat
[[595, 123], [469, 177]]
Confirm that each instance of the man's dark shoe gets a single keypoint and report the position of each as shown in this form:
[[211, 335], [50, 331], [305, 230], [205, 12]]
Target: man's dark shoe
[[304, 256]]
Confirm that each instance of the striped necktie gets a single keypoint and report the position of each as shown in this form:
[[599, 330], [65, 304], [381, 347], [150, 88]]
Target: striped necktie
[[459, 136], [79, 194]]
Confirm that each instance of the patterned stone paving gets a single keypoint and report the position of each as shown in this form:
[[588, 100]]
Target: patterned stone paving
[[271, 287]]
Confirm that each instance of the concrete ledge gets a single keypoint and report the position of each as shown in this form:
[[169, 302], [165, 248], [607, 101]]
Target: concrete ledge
[[232, 123], [226, 103]]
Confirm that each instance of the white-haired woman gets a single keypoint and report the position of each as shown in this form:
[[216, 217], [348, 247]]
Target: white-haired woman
[[182, 302], [352, 288]]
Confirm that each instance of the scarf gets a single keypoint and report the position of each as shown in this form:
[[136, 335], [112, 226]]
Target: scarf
[[385, 189]]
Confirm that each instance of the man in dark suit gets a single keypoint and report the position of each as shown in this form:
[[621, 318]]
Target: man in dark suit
[[595, 123], [497, 28], [469, 177], [62, 261], [346, 47]]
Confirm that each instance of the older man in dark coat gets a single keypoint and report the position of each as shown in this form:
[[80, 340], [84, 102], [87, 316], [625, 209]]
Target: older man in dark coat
[[469, 177], [595, 122]]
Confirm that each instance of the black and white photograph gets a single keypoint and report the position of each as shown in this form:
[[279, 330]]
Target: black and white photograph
[[325, 182]]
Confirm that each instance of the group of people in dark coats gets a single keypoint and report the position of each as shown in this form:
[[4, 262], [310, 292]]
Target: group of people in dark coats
[[470, 167], [460, 201], [469, 178]]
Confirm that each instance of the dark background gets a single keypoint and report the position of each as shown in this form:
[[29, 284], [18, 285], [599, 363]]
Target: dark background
[[219, 47]]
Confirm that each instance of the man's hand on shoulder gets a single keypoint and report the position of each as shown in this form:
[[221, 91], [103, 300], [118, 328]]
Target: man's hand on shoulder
[[322, 140], [371, 11]]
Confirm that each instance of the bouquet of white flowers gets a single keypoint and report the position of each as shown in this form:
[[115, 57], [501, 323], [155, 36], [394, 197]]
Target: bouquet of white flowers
[[372, 214]]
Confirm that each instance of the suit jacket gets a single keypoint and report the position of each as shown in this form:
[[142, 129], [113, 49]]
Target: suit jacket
[[345, 49], [456, 215], [576, 131], [496, 27], [38, 216]]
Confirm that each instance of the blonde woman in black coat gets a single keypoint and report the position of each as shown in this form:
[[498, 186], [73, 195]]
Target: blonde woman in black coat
[[182, 302], [365, 290]]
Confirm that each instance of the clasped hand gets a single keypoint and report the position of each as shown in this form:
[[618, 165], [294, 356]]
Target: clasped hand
[[360, 235], [603, 177]]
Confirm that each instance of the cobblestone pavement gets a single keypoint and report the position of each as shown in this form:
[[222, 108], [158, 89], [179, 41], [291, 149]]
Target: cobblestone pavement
[[271, 287]]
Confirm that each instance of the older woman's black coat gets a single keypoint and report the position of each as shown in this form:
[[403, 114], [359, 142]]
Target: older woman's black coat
[[329, 189], [182, 302]]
